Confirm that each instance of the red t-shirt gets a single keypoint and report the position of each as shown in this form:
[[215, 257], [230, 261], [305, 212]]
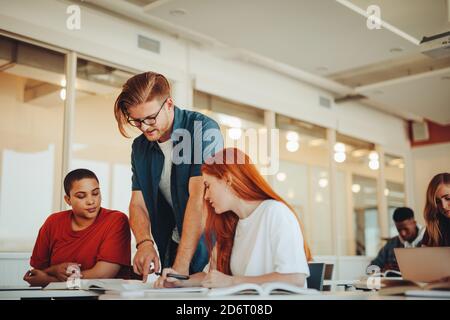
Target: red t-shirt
[[107, 239]]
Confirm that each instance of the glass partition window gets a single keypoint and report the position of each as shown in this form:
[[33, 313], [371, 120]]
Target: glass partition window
[[395, 187], [31, 140], [367, 231], [97, 143], [356, 186], [240, 124], [303, 179]]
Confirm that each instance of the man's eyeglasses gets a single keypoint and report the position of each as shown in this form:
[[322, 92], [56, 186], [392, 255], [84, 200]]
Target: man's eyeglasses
[[149, 121]]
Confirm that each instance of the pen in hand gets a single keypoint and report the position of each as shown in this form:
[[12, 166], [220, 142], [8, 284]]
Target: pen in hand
[[174, 275]]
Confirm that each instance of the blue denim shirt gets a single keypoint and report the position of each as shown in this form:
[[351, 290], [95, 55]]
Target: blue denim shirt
[[193, 142]]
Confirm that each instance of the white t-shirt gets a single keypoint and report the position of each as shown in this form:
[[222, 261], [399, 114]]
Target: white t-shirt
[[164, 185], [268, 240]]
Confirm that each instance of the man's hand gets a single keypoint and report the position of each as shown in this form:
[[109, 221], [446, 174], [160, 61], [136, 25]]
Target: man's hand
[[145, 255], [37, 278], [61, 271]]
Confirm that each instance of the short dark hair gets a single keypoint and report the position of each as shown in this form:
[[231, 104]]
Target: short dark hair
[[76, 175], [402, 214]]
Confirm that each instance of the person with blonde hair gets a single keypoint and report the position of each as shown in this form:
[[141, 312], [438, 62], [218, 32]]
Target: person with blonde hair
[[437, 212]]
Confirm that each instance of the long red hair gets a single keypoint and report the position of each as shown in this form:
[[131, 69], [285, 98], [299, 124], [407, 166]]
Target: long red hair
[[248, 183]]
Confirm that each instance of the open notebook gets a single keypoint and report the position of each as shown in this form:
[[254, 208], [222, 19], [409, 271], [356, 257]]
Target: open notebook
[[270, 288], [101, 284], [124, 286], [116, 286]]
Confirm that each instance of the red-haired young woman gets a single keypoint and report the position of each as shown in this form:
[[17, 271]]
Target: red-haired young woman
[[253, 235]]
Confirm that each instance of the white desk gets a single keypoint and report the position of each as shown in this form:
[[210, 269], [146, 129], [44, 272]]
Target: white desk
[[332, 295], [46, 294], [80, 294]]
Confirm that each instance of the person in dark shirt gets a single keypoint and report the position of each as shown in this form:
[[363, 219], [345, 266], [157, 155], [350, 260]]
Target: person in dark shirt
[[167, 186], [409, 236]]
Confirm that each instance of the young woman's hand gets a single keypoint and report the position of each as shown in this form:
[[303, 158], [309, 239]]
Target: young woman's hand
[[167, 282], [217, 279], [145, 255], [62, 271], [37, 278]]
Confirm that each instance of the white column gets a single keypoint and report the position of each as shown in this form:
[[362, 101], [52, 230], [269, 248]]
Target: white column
[[351, 236], [69, 115], [331, 139], [270, 124], [183, 93], [409, 179], [381, 197]]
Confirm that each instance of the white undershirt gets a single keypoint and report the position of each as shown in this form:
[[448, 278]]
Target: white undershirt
[[164, 184], [268, 240]]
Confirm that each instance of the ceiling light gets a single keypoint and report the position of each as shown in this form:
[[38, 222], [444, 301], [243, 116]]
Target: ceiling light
[[386, 192], [339, 147], [323, 183], [281, 176], [292, 136], [339, 157], [395, 50], [373, 155], [292, 146], [178, 12], [62, 94], [235, 133], [356, 188], [322, 69], [374, 164], [229, 121]]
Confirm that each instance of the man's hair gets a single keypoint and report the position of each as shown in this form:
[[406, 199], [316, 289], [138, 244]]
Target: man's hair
[[139, 89], [76, 175], [402, 214]]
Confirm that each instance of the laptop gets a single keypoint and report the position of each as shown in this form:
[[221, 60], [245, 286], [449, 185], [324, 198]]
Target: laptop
[[426, 264]]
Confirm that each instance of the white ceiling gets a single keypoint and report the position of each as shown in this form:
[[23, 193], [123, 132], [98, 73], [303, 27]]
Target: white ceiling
[[322, 37], [409, 94], [307, 34]]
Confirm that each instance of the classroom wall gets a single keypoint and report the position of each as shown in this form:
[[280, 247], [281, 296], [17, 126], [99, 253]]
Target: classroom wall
[[188, 65], [195, 66], [427, 162]]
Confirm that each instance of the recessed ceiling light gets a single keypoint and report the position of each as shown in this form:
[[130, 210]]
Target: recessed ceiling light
[[321, 69], [397, 49], [178, 12]]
